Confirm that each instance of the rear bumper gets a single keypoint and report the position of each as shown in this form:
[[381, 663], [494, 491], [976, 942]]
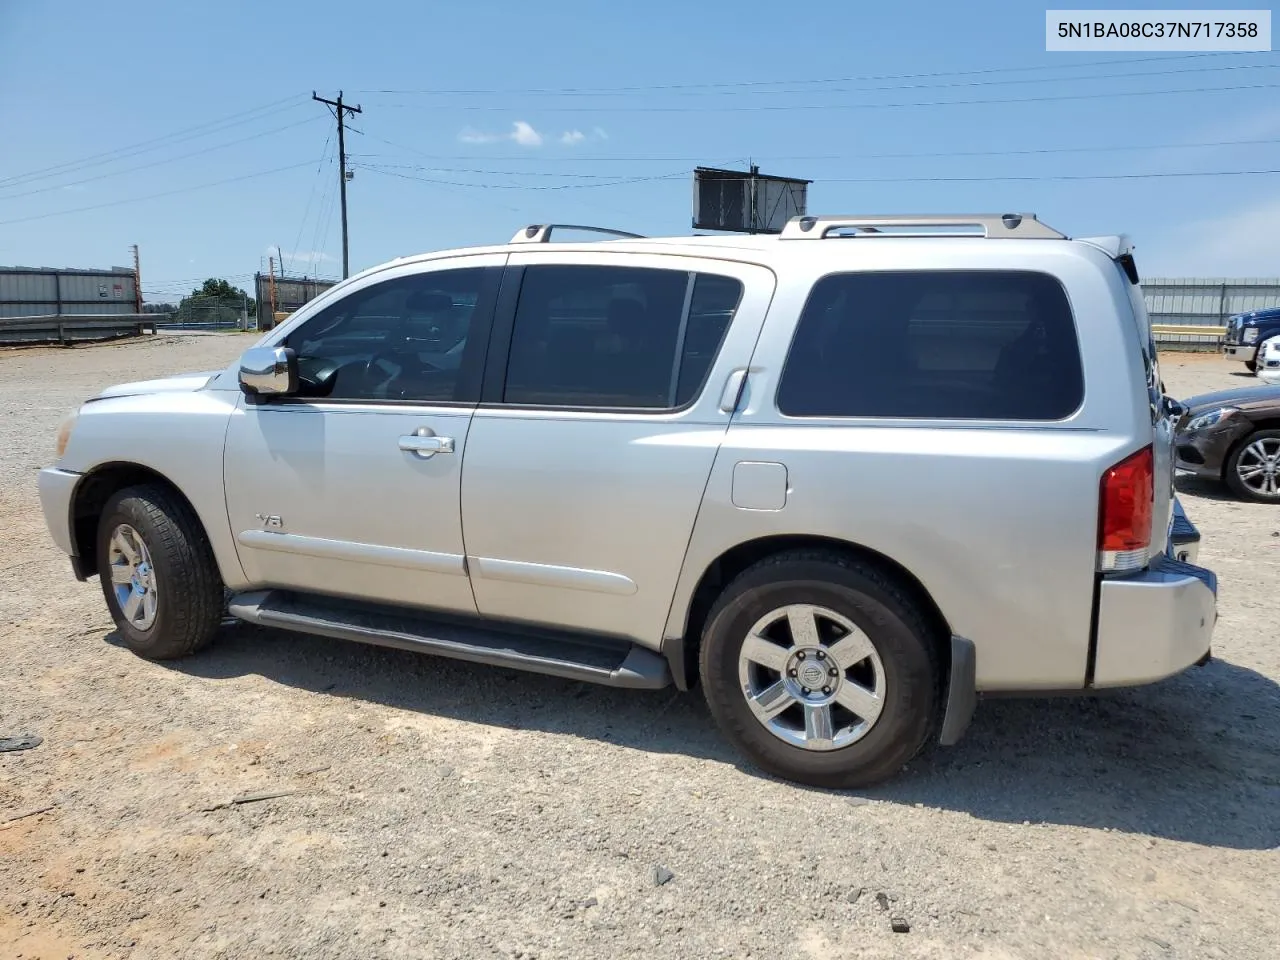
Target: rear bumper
[[1154, 624], [56, 490]]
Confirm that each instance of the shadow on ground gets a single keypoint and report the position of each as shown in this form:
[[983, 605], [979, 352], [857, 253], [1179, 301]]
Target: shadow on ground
[[1195, 486], [1193, 758]]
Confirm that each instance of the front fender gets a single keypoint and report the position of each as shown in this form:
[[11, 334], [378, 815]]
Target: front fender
[[176, 437]]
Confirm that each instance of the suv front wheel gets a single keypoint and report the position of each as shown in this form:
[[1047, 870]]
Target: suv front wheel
[[158, 573], [821, 669]]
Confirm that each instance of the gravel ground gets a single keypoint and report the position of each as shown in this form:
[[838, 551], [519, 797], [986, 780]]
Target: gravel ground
[[440, 809]]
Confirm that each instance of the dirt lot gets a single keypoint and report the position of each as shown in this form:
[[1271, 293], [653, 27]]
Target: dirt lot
[[447, 810]]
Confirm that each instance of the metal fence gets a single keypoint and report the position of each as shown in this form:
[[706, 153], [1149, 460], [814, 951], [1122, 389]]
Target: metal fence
[[289, 294], [207, 313], [51, 291], [1182, 305]]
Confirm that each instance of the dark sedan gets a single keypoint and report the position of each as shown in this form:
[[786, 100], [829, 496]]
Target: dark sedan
[[1234, 436]]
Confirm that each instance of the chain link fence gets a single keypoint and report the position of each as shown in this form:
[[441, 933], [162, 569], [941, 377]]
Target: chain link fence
[[208, 313]]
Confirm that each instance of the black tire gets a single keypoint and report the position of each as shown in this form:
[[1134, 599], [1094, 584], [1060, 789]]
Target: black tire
[[189, 589], [895, 624], [1251, 366], [1231, 470]]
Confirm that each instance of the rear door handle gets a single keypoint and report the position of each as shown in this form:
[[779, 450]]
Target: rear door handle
[[731, 396], [426, 445]]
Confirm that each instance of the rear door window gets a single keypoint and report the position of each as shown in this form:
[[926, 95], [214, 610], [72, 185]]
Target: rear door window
[[616, 337], [969, 345]]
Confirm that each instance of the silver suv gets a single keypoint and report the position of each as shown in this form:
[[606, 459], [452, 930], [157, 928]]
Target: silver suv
[[848, 477]]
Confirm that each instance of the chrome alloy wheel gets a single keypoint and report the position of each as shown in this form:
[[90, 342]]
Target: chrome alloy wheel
[[812, 677], [133, 578], [1258, 467]]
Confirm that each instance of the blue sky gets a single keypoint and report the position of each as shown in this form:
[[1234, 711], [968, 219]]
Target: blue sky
[[108, 105]]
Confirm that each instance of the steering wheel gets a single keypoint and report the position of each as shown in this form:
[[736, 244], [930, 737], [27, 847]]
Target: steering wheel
[[397, 360]]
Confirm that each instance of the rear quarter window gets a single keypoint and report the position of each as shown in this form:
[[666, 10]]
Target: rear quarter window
[[970, 345]]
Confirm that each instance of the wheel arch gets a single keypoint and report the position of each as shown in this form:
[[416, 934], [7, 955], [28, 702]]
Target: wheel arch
[[681, 650], [91, 495]]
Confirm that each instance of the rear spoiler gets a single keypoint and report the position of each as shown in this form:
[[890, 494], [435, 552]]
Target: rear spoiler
[[1119, 249]]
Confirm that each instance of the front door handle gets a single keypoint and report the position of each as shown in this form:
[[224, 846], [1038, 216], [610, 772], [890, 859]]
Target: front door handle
[[425, 444]]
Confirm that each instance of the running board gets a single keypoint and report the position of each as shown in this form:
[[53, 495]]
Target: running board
[[608, 661]]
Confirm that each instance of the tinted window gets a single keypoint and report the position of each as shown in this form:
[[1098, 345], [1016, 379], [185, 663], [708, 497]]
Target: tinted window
[[405, 339], [948, 344], [616, 336]]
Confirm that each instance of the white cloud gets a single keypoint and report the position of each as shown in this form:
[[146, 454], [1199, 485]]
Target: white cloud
[[469, 135], [311, 256], [1243, 243], [522, 132], [525, 135], [298, 256], [571, 138]]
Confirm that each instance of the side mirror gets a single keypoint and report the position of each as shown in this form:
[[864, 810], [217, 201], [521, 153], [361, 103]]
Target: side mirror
[[269, 371]]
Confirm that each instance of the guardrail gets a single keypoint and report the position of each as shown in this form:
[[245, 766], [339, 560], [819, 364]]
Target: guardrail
[[1187, 334], [68, 328]]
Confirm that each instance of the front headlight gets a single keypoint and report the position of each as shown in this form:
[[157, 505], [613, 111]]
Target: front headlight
[[1250, 335], [64, 433], [1209, 419]]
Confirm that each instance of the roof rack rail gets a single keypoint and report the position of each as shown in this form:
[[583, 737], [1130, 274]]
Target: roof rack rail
[[541, 232], [990, 225]]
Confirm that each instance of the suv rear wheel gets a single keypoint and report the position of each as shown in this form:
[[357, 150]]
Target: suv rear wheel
[[158, 573], [821, 669]]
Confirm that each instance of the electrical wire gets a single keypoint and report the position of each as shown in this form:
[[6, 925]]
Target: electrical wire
[[963, 83], [648, 88], [520, 186], [501, 173], [1109, 94], [327, 199], [324, 154], [156, 196], [369, 157], [1050, 177], [156, 163], [145, 146]]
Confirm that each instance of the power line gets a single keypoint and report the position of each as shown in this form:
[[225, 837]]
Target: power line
[[1109, 95], [145, 146], [951, 84], [1049, 177], [500, 173], [323, 214], [324, 155], [368, 157], [1031, 151], [156, 196], [944, 179], [156, 163], [521, 186], [865, 78]]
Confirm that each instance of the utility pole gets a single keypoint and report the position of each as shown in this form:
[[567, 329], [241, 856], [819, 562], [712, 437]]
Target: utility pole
[[271, 266], [137, 281], [340, 110]]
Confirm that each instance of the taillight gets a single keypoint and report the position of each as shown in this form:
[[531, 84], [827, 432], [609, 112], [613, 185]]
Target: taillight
[[1124, 521]]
